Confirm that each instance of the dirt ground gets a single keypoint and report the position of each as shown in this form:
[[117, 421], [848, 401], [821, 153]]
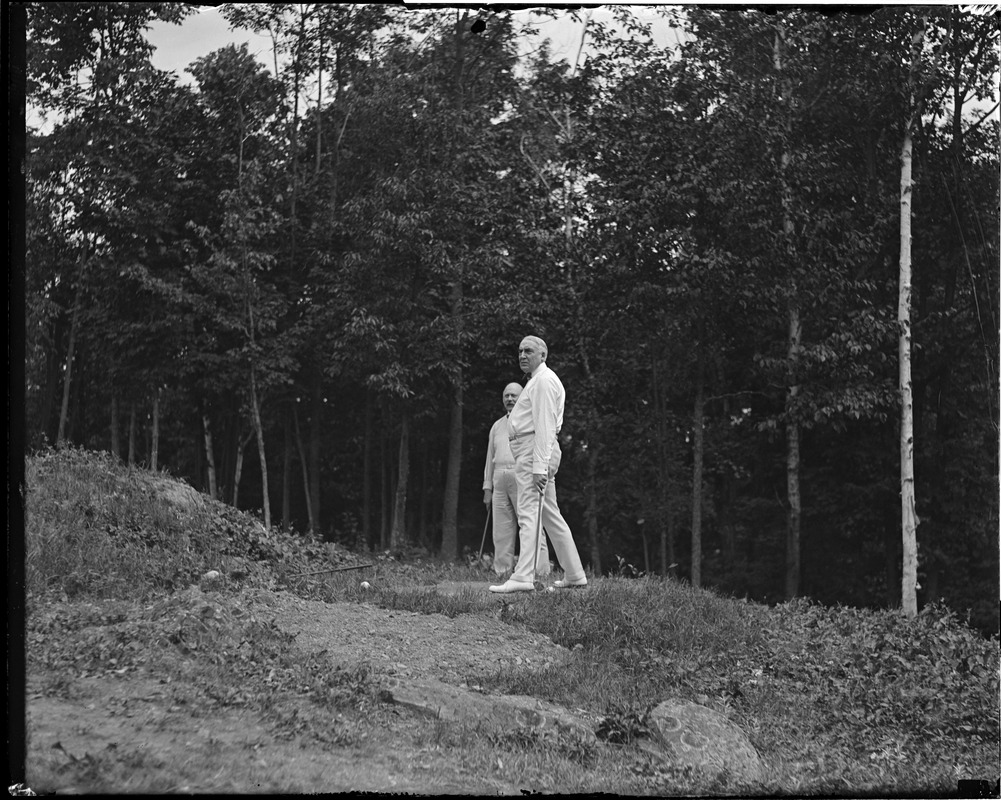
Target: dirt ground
[[125, 728]]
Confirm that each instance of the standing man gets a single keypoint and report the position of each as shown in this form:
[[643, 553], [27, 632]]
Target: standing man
[[533, 425], [500, 492]]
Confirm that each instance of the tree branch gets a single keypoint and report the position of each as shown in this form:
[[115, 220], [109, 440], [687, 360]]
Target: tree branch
[[542, 177], [981, 121]]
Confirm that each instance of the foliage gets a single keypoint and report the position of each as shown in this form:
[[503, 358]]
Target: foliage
[[360, 232], [836, 700], [87, 510]]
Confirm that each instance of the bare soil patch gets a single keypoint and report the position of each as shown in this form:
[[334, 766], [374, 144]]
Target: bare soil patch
[[133, 732], [408, 644]]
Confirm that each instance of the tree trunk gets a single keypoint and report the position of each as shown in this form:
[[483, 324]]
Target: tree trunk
[[450, 504], [384, 488], [70, 353], [241, 446], [422, 508], [663, 474], [594, 544], [132, 433], [792, 463], [793, 496], [255, 411], [367, 474], [305, 471], [287, 473], [210, 457], [116, 445], [314, 452], [155, 443], [697, 455], [909, 520], [908, 513], [53, 369], [398, 536]]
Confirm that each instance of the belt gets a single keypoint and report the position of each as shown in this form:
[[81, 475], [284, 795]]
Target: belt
[[503, 466], [522, 435]]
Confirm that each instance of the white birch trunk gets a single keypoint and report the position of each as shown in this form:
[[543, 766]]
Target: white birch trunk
[[908, 514], [909, 520]]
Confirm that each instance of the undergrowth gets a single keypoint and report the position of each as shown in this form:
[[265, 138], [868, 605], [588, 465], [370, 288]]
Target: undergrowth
[[837, 701]]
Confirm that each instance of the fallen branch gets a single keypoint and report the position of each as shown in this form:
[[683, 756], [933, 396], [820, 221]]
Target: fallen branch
[[335, 569]]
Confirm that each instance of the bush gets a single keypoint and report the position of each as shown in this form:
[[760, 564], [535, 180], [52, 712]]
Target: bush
[[100, 529]]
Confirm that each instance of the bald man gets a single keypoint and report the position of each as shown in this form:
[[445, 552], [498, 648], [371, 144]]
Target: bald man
[[500, 491], [532, 427]]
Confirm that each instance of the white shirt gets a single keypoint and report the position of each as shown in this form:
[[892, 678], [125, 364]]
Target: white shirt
[[539, 410], [499, 453]]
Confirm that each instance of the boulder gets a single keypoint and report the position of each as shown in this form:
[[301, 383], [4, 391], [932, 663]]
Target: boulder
[[685, 733], [505, 712]]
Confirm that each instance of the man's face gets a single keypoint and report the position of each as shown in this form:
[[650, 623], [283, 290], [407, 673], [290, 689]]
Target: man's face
[[510, 396], [529, 356]]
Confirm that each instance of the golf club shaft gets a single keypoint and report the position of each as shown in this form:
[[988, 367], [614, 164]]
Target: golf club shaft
[[538, 537], [484, 540]]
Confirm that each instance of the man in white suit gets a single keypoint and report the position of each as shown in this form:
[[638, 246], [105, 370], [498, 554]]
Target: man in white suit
[[500, 492], [532, 425]]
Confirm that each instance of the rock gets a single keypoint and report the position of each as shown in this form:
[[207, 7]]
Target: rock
[[689, 734], [452, 704]]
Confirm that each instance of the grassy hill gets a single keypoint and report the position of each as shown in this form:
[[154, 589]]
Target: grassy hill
[[837, 701]]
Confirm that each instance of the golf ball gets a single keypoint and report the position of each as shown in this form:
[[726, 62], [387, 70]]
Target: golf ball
[[366, 585]]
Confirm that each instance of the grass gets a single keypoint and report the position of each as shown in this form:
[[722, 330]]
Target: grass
[[837, 701]]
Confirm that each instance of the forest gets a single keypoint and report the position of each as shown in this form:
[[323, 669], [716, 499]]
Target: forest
[[300, 284]]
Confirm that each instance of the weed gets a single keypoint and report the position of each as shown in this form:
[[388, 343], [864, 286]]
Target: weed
[[558, 742], [836, 700]]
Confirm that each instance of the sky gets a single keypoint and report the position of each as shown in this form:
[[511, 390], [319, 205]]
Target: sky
[[177, 46]]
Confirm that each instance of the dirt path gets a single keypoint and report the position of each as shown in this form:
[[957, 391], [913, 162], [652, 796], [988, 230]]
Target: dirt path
[[406, 644], [128, 730]]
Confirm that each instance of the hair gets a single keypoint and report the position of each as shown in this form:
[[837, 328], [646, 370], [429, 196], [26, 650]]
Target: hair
[[538, 343]]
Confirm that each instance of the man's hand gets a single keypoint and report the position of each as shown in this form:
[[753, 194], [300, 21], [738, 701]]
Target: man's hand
[[487, 497], [540, 482]]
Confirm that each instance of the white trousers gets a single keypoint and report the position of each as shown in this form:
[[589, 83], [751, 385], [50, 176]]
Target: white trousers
[[504, 507], [529, 507]]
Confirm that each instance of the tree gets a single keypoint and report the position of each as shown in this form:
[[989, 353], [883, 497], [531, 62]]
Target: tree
[[89, 66], [238, 269]]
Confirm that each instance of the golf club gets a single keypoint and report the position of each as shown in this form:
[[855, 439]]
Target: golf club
[[479, 559], [538, 541]]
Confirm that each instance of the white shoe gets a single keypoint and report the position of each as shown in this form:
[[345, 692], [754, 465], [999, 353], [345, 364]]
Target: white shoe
[[565, 584], [513, 586]]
